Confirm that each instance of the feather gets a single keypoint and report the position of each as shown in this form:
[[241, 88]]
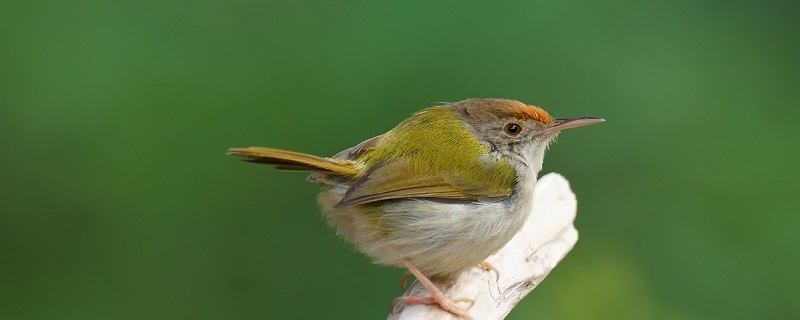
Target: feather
[[288, 160]]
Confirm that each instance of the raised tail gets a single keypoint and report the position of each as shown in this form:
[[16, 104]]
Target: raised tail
[[288, 160]]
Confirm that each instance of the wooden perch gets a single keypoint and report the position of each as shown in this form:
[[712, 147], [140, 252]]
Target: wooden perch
[[522, 264]]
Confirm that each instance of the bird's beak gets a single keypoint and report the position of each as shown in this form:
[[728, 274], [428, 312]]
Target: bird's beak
[[561, 124]]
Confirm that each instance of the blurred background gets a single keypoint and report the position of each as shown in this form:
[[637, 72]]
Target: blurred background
[[117, 200]]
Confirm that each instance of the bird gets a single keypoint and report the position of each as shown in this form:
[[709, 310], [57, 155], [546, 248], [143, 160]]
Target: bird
[[436, 194]]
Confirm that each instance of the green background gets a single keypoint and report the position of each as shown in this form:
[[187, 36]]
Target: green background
[[117, 200]]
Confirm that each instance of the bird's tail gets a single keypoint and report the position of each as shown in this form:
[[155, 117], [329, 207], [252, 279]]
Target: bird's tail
[[288, 160]]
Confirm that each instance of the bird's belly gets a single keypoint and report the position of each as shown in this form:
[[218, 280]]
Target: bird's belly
[[439, 238]]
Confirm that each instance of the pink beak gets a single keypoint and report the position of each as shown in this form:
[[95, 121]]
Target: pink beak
[[561, 124]]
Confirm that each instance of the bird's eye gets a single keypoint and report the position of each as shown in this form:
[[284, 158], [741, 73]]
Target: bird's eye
[[513, 129]]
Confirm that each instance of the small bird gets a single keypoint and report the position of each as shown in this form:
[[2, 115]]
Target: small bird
[[438, 193]]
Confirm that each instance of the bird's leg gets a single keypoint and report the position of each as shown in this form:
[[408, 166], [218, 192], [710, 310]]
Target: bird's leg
[[437, 296], [486, 266]]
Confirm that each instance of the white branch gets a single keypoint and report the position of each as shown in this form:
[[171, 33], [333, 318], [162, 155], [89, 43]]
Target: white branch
[[523, 263]]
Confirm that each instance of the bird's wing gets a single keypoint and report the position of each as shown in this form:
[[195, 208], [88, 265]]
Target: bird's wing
[[399, 179], [366, 145]]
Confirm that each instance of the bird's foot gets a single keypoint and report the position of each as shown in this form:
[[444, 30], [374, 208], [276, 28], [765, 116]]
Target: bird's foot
[[449, 305], [486, 266], [437, 297]]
